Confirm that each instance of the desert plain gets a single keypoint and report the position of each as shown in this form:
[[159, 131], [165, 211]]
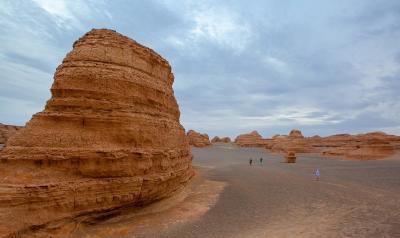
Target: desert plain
[[230, 198]]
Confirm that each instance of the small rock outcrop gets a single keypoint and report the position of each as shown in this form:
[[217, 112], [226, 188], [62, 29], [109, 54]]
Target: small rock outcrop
[[252, 139], [197, 139], [217, 139], [6, 131], [109, 136], [290, 157]]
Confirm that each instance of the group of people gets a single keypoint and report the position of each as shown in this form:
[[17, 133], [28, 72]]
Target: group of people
[[317, 173], [251, 161]]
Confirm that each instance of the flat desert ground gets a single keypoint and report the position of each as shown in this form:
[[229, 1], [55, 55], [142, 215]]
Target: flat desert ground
[[230, 198]]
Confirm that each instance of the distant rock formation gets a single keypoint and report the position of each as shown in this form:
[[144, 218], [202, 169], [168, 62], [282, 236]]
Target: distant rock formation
[[374, 145], [6, 131], [217, 139], [252, 139], [197, 139], [109, 136], [294, 142], [369, 146], [295, 134]]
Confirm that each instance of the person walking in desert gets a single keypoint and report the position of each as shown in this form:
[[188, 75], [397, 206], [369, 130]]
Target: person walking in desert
[[317, 174]]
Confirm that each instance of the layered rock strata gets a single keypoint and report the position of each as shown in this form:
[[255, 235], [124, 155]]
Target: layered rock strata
[[6, 131], [109, 136], [375, 145], [197, 139]]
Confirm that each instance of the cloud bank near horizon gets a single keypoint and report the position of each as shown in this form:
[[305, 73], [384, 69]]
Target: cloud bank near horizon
[[323, 67]]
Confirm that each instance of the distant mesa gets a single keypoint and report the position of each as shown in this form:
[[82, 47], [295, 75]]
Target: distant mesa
[[197, 139], [217, 139], [373, 145], [6, 131], [367, 146], [109, 136], [252, 139]]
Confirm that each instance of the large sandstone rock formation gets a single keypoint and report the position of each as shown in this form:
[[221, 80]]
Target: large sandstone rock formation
[[109, 136], [197, 139], [217, 139], [252, 139], [6, 131]]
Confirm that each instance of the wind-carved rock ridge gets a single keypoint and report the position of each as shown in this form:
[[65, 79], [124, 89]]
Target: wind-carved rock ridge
[[109, 136]]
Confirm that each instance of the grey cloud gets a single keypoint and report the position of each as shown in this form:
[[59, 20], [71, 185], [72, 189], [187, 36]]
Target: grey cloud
[[259, 59]]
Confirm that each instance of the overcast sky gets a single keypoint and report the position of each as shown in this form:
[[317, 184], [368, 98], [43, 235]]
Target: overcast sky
[[323, 67]]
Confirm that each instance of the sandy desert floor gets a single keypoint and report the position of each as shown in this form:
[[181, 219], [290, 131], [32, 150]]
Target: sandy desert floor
[[229, 198]]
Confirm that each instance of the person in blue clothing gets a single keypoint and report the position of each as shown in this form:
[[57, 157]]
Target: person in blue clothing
[[317, 174]]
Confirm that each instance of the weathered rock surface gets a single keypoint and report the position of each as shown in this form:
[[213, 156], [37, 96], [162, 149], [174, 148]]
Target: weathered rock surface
[[252, 139], [109, 136], [6, 131], [197, 139], [217, 139]]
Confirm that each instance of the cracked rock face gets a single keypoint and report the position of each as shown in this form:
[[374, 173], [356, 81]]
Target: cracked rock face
[[109, 136], [6, 131]]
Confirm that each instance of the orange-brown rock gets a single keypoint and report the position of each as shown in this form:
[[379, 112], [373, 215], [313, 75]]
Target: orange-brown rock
[[217, 139], [374, 145], [252, 139], [295, 134], [6, 131], [109, 136], [294, 142], [290, 157], [197, 139]]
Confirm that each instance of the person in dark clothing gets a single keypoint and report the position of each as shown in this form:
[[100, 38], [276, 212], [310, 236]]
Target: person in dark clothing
[[261, 161], [250, 161]]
